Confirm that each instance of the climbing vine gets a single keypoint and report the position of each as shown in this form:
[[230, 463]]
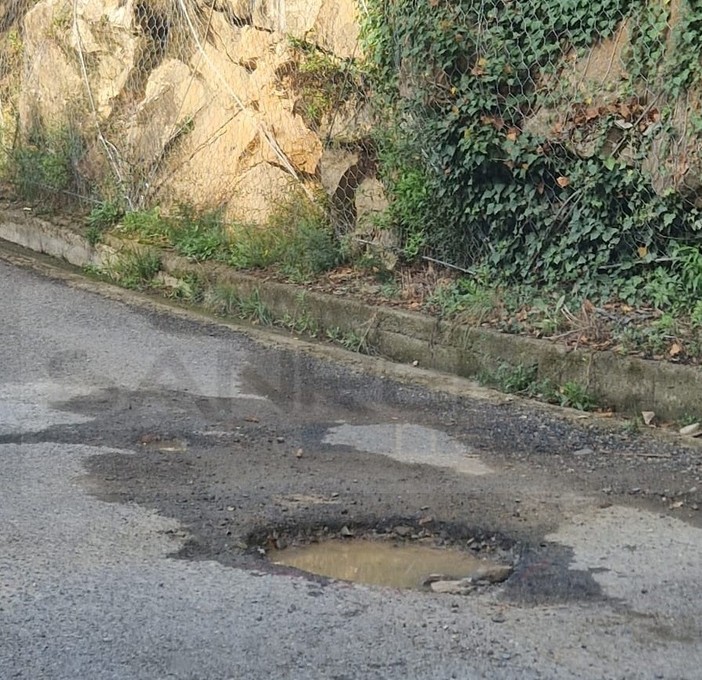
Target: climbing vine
[[493, 157]]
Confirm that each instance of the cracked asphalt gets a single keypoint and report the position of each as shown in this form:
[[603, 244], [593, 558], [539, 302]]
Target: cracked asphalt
[[149, 456]]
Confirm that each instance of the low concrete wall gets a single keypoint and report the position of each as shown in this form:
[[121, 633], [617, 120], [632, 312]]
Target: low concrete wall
[[629, 384]]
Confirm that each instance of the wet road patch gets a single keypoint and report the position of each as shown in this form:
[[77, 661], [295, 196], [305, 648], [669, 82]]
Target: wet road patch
[[385, 563]]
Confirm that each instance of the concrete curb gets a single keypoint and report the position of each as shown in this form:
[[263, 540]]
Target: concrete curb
[[629, 384]]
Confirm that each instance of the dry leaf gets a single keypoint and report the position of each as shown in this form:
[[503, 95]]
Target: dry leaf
[[592, 113], [642, 251], [648, 417], [562, 182], [675, 349]]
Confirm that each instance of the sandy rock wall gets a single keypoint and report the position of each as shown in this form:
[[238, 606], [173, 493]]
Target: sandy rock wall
[[188, 101]]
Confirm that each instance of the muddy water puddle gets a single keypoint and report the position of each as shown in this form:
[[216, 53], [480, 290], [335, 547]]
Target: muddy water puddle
[[382, 563]]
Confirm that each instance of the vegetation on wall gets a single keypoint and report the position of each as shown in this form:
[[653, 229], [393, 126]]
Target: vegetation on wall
[[45, 166], [475, 181], [297, 240]]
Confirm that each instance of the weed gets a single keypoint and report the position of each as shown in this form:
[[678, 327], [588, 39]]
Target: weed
[[45, 167], [356, 342], [93, 235], [322, 81], [253, 309], [696, 316], [147, 225], [222, 299], [471, 299], [105, 215], [134, 268], [334, 334], [574, 395], [93, 271], [297, 239], [253, 247], [198, 236], [654, 339], [548, 316], [352, 340], [661, 289], [688, 419], [689, 263], [390, 289], [633, 425], [524, 381], [225, 300], [518, 379], [307, 243], [102, 217], [302, 323], [189, 288]]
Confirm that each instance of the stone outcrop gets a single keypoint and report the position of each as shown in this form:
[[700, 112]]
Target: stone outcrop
[[191, 101], [591, 87], [75, 65]]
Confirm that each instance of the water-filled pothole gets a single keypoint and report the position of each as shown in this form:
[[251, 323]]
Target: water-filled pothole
[[397, 565]]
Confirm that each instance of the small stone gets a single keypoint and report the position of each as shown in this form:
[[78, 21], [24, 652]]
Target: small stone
[[587, 451], [462, 587], [694, 430], [491, 573], [432, 578], [346, 532], [298, 453], [648, 417], [403, 530], [498, 618], [280, 440]]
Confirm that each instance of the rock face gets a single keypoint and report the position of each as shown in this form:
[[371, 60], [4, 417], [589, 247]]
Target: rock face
[[73, 57], [649, 118], [190, 101]]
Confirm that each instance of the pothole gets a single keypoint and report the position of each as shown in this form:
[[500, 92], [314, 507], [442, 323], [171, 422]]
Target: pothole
[[384, 563], [400, 557]]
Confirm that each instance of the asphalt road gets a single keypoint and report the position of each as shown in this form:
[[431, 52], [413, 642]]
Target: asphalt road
[[147, 460]]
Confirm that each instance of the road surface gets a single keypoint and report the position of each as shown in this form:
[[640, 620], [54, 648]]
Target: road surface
[[148, 459]]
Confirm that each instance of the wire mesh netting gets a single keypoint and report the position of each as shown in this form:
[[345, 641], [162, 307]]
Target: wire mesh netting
[[557, 135], [508, 132], [177, 100]]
